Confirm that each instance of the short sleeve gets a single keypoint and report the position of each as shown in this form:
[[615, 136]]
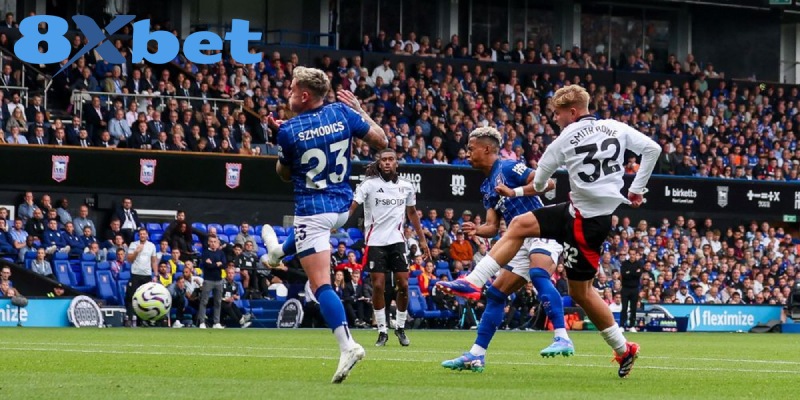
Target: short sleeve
[[285, 146], [133, 247], [516, 175], [411, 198], [357, 124], [360, 194]]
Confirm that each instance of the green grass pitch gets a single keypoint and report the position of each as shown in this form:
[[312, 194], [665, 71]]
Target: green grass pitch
[[61, 364]]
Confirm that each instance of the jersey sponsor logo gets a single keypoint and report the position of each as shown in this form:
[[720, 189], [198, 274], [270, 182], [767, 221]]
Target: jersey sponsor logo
[[323, 130], [233, 175], [519, 169], [458, 185], [59, 172], [797, 200], [389, 202], [147, 171]]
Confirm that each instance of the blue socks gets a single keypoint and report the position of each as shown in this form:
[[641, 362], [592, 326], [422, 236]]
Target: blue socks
[[289, 247], [548, 296], [492, 317], [331, 306]]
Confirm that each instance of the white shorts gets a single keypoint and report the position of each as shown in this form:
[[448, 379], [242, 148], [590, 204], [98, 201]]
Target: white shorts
[[313, 232], [521, 262]]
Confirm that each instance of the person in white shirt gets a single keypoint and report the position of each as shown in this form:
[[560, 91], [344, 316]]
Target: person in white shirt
[[616, 306], [384, 72], [593, 152], [144, 268], [387, 201]]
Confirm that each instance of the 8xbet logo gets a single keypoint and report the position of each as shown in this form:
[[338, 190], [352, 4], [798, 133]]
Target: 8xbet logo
[[58, 46]]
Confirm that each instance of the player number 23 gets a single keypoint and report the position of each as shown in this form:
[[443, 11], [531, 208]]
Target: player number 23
[[313, 180]]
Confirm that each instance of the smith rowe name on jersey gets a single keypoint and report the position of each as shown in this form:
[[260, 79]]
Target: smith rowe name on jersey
[[589, 130]]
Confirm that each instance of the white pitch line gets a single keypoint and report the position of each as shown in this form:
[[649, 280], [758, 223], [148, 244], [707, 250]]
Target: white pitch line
[[412, 351], [318, 357]]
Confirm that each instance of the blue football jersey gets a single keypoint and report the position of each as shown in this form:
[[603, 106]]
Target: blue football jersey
[[513, 174], [316, 145]]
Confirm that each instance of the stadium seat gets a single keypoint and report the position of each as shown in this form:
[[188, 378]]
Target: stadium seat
[[164, 226], [105, 287], [88, 272], [413, 282], [348, 242], [223, 238], [121, 286], [415, 274], [29, 257], [446, 272], [217, 226], [231, 230], [103, 266], [261, 251], [62, 270], [567, 300], [259, 241], [154, 228], [124, 275], [279, 231], [60, 256], [88, 257], [200, 226], [355, 233], [334, 242], [73, 279], [442, 265], [195, 238]]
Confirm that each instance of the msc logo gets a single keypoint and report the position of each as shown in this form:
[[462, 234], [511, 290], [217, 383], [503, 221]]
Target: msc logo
[[58, 46]]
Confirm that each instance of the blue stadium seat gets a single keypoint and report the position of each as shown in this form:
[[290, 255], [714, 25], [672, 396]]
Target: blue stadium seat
[[567, 300], [442, 265], [29, 257], [259, 241], [105, 287], [103, 266], [62, 271], [218, 226], [60, 256], [355, 233], [334, 242], [231, 230], [413, 282], [279, 231], [348, 242], [164, 226], [445, 272], [124, 275], [88, 272], [200, 226], [154, 228], [415, 274], [261, 251], [88, 257], [256, 230], [121, 286], [195, 238], [223, 238], [73, 279]]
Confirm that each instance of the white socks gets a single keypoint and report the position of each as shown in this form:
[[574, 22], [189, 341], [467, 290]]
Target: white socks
[[482, 272], [380, 319], [613, 336], [477, 350], [401, 319], [562, 333], [344, 338]]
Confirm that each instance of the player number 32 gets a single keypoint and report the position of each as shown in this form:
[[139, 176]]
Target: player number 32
[[313, 179]]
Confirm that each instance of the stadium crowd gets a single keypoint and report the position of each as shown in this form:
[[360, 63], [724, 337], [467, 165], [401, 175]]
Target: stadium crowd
[[429, 105]]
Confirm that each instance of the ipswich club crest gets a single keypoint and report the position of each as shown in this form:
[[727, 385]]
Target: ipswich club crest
[[722, 196], [59, 172], [233, 174], [147, 171]]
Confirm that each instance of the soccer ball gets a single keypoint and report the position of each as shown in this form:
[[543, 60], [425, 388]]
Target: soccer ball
[[151, 301]]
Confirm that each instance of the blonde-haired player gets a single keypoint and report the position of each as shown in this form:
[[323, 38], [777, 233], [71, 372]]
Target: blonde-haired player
[[593, 152]]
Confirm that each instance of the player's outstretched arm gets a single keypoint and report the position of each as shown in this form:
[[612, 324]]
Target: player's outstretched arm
[[488, 230], [524, 190], [411, 212], [376, 137]]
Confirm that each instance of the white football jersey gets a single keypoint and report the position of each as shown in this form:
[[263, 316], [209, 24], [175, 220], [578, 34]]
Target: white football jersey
[[593, 152], [385, 208]]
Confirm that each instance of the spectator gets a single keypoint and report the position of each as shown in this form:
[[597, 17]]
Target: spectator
[[244, 235], [42, 266], [230, 294], [128, 218], [83, 220], [213, 262], [461, 250], [144, 268], [425, 278], [36, 225], [27, 208]]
